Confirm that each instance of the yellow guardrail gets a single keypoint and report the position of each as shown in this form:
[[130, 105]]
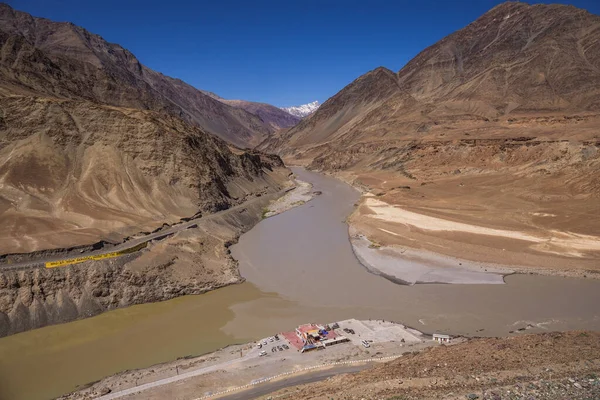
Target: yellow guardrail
[[70, 261]]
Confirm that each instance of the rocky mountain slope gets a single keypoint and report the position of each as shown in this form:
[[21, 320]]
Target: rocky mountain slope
[[514, 62], [96, 147], [303, 110], [499, 116], [193, 261], [274, 117], [59, 59], [74, 172], [94, 172]]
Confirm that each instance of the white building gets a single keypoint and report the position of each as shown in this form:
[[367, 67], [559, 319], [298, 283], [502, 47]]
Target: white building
[[441, 338]]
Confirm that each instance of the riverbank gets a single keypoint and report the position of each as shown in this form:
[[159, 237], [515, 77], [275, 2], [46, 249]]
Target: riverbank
[[235, 367], [409, 267], [187, 258], [297, 196], [474, 223]]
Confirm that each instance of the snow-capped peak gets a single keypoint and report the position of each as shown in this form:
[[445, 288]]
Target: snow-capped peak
[[303, 110]]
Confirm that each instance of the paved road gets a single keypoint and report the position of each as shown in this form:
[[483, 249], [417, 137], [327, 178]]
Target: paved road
[[270, 387], [134, 242], [253, 353]]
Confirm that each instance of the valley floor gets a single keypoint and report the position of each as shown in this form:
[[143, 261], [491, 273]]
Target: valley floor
[[477, 223]]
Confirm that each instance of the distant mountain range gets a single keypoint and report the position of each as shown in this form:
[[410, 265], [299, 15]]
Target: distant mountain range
[[303, 110], [275, 118]]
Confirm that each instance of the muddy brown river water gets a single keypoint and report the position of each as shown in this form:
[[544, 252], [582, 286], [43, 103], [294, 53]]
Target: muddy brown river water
[[299, 268]]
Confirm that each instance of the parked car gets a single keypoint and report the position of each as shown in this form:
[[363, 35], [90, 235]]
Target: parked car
[[365, 343], [276, 337], [346, 330], [259, 346], [351, 331], [285, 346], [279, 348], [271, 339], [264, 342], [273, 349], [262, 353]]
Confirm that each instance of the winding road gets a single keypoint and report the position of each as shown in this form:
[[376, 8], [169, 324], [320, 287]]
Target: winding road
[[130, 244]]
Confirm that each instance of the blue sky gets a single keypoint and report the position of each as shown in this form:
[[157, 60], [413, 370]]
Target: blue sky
[[279, 52]]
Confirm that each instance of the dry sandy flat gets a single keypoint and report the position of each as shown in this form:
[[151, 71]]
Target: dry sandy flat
[[408, 266], [492, 218], [565, 240]]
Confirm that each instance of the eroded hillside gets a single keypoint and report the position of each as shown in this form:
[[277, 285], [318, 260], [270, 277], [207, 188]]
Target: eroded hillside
[[93, 172], [495, 125], [97, 150], [62, 60]]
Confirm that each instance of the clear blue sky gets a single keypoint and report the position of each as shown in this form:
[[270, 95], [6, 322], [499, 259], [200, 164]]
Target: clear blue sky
[[279, 52]]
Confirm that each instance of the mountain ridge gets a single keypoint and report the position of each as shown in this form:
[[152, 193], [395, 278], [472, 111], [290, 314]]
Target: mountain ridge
[[516, 59], [67, 61]]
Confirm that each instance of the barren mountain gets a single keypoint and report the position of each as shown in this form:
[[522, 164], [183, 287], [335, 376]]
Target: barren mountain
[[508, 107], [73, 173], [516, 60], [88, 170], [59, 59], [96, 148], [274, 117]]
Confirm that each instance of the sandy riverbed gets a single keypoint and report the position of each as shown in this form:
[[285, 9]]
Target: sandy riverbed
[[409, 266], [299, 195], [489, 220]]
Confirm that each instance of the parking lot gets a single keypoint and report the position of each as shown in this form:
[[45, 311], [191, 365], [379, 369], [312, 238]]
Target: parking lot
[[273, 344], [377, 331]]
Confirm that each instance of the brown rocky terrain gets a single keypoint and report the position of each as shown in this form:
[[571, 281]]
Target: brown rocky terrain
[[74, 172], [542, 366], [61, 60], [192, 261], [97, 148], [495, 125], [273, 116]]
